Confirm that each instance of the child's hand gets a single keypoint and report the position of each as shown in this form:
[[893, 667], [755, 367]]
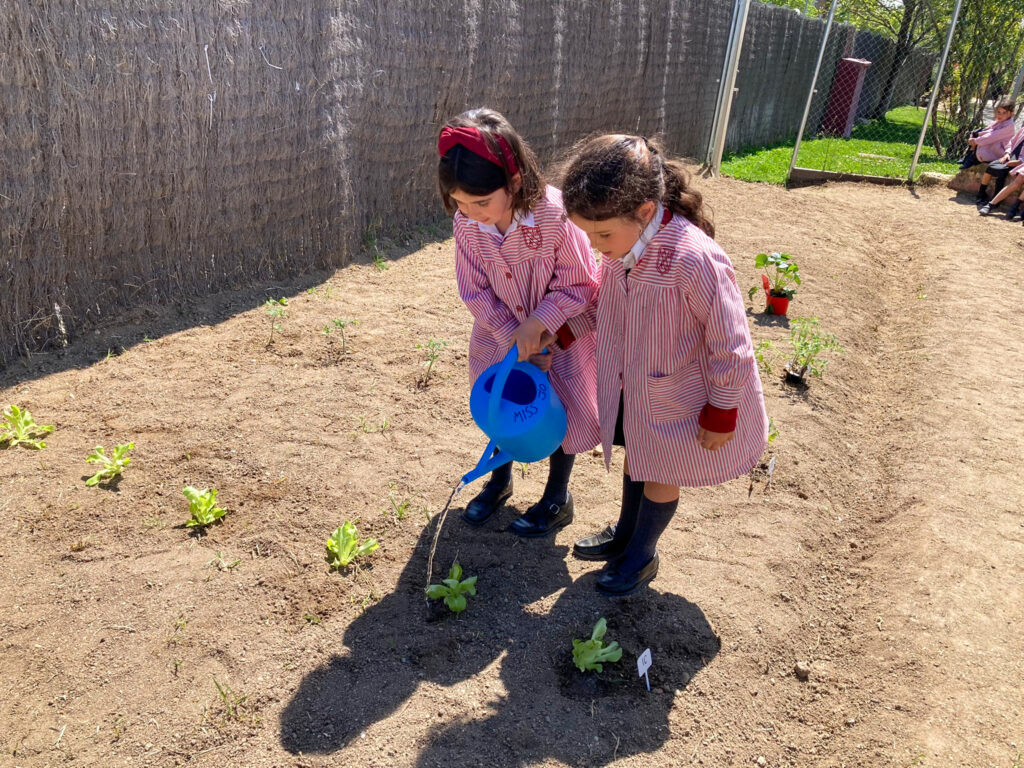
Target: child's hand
[[542, 361], [712, 441], [531, 338]]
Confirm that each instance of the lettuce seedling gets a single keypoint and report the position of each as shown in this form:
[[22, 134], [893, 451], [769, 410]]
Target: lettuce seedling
[[453, 589], [18, 426], [202, 506], [112, 466], [593, 653], [343, 546]]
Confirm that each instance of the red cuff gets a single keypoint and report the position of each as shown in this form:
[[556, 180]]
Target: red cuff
[[718, 419], [565, 336]]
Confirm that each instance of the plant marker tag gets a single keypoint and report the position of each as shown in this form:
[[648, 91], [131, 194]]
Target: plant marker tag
[[771, 466], [642, 665]]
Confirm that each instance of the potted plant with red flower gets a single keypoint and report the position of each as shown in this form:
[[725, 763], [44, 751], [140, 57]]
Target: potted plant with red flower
[[780, 277]]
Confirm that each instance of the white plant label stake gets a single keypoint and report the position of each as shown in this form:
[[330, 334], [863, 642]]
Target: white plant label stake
[[643, 664]]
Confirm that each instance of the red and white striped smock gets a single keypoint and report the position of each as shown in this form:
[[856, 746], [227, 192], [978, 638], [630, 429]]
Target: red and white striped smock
[[542, 267], [672, 336]]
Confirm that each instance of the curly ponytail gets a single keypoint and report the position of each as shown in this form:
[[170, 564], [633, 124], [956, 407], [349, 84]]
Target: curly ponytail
[[683, 199]]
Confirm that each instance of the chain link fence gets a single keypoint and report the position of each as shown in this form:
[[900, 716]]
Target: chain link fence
[[867, 105]]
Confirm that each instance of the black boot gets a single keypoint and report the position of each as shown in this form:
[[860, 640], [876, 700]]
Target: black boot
[[612, 540], [1013, 212], [982, 196], [638, 564], [496, 492]]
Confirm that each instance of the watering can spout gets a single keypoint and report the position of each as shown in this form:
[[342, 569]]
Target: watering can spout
[[487, 465]]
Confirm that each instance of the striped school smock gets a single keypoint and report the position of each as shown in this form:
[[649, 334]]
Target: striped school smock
[[543, 266], [672, 337]]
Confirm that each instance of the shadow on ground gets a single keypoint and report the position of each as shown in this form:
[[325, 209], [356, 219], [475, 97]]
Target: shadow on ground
[[549, 710]]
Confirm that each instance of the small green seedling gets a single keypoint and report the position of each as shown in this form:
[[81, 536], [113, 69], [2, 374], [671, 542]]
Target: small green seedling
[[522, 467], [202, 506], [113, 466], [453, 589], [18, 426], [808, 344], [773, 431], [399, 509], [781, 271], [276, 312], [232, 701], [432, 350], [763, 353], [340, 324], [592, 654], [343, 546]]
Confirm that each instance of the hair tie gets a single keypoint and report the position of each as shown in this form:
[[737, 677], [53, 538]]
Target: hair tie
[[473, 140]]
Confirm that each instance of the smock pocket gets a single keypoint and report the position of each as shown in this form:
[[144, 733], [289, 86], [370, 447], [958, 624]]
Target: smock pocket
[[677, 396]]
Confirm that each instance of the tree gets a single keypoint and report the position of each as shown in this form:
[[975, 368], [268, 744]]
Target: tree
[[987, 49]]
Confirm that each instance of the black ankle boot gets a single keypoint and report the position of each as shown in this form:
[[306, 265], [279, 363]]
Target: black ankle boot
[[494, 494], [638, 563]]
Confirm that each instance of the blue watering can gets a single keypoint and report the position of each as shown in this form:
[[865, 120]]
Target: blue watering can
[[516, 407]]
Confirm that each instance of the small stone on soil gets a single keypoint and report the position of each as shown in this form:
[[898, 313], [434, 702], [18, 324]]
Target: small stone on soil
[[802, 670]]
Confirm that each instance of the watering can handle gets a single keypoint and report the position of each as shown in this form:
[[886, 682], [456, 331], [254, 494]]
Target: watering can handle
[[494, 404]]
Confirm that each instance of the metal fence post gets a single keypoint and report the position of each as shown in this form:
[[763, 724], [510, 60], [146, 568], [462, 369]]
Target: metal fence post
[[935, 90], [812, 90], [726, 91]]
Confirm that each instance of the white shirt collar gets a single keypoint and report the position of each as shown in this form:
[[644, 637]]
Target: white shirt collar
[[517, 221], [630, 259]]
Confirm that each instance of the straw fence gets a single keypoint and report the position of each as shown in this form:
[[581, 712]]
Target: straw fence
[[158, 149]]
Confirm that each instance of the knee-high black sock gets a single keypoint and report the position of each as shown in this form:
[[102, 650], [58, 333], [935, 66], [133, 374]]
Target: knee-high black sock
[[652, 520], [502, 475], [559, 468], [632, 494]]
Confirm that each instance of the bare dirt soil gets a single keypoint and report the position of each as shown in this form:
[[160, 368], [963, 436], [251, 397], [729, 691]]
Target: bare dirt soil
[[887, 552]]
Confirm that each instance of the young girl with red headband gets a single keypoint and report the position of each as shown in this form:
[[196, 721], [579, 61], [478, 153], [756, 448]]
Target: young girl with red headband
[[677, 382], [529, 278]]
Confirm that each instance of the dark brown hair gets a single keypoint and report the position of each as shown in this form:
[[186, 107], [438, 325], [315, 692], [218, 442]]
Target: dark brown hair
[[461, 169], [1006, 103], [612, 175]]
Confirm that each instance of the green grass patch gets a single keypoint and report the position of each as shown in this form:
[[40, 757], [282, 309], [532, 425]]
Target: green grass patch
[[879, 148]]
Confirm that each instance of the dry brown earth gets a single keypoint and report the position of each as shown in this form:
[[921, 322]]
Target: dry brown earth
[[887, 553]]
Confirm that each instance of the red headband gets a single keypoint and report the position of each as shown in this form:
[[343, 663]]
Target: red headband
[[473, 140]]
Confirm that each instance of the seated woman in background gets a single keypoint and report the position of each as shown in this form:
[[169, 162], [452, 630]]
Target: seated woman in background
[[993, 141], [999, 170]]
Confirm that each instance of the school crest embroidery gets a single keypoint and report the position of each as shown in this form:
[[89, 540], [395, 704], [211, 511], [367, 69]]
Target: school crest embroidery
[[663, 262], [532, 237]]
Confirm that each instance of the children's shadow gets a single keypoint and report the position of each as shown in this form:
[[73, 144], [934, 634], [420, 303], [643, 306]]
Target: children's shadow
[[548, 708], [401, 641], [552, 710]]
